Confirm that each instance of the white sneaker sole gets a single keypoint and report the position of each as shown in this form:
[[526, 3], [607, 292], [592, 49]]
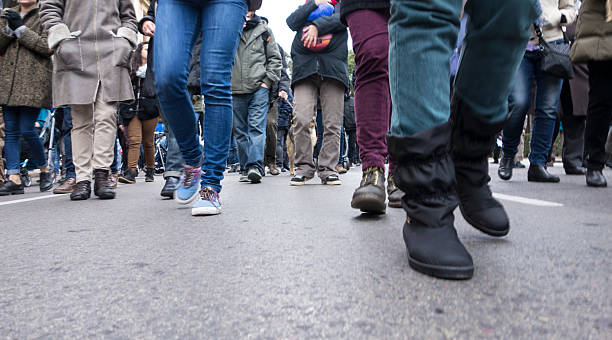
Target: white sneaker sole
[[205, 211], [190, 199]]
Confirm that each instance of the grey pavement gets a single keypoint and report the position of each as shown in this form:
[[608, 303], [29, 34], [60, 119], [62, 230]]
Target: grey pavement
[[287, 262]]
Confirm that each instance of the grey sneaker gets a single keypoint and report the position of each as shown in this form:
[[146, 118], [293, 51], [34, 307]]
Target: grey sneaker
[[254, 175], [331, 180], [243, 177]]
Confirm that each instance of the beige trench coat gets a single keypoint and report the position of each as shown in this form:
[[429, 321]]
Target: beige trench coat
[[93, 41]]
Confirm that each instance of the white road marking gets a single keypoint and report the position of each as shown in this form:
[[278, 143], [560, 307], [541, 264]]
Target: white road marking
[[525, 200], [30, 199]]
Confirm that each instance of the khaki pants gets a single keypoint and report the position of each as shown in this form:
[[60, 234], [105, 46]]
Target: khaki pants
[[141, 132], [94, 129], [306, 93], [2, 178]]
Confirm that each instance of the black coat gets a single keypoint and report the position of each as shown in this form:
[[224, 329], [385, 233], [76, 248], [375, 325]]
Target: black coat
[[284, 83], [348, 6], [193, 81], [285, 111], [329, 63], [349, 114], [145, 108]]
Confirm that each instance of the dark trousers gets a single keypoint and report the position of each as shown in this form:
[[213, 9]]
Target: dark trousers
[[282, 159], [599, 113], [353, 147], [271, 130], [63, 118]]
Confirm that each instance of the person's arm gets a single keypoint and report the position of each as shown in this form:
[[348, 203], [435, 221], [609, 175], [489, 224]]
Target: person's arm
[[298, 19], [285, 83], [274, 62], [329, 24], [150, 17], [51, 14], [33, 41], [5, 38], [129, 25]]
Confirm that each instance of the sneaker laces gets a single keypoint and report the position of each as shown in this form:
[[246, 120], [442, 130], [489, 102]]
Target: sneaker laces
[[208, 194], [188, 176]]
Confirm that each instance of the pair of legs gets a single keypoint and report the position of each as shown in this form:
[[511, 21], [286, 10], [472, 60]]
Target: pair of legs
[[443, 163], [370, 34], [599, 116], [94, 133], [220, 22], [271, 137], [331, 93], [19, 123], [250, 112], [141, 132], [282, 159], [548, 90]]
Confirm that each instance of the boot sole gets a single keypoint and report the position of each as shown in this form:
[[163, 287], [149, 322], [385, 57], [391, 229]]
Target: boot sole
[[254, 178], [16, 192], [482, 228], [62, 192], [442, 272], [125, 181], [369, 204], [397, 204]]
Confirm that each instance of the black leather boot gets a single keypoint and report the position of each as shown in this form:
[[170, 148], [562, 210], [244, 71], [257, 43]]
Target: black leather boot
[[11, 188], [47, 179], [539, 173], [505, 168], [472, 139], [171, 184], [595, 178], [426, 174], [102, 187], [149, 175], [81, 191]]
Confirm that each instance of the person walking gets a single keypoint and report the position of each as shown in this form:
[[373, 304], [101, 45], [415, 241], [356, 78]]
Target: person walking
[[368, 24], [593, 46], [555, 15], [143, 117], [320, 70], [220, 23], [257, 67], [93, 42], [443, 163], [25, 88]]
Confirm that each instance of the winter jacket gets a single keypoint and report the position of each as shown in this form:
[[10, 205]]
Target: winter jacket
[[93, 41], [194, 82], [349, 6], [285, 111], [256, 61], [552, 11], [329, 63], [25, 65], [593, 33]]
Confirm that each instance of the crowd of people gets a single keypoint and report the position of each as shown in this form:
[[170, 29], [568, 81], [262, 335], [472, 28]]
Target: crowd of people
[[431, 97]]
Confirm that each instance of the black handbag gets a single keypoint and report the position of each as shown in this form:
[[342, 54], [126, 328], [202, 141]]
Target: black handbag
[[555, 57]]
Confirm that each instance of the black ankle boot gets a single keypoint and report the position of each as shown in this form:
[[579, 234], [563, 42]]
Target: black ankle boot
[[595, 178], [472, 138], [505, 168], [46, 180], [102, 187], [539, 173], [149, 175], [11, 188], [426, 174]]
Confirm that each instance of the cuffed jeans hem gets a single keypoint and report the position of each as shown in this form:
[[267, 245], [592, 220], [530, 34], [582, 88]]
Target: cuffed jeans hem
[[12, 172], [372, 164], [172, 174]]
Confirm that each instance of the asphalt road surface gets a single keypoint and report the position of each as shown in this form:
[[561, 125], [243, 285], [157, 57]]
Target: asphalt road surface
[[299, 263]]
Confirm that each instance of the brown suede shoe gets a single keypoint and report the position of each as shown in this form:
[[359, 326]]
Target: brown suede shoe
[[65, 186]]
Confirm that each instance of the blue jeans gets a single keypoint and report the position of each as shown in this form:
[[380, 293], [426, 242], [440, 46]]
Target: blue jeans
[[19, 122], [220, 22], [423, 35], [67, 139], [548, 90], [232, 158], [250, 112]]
